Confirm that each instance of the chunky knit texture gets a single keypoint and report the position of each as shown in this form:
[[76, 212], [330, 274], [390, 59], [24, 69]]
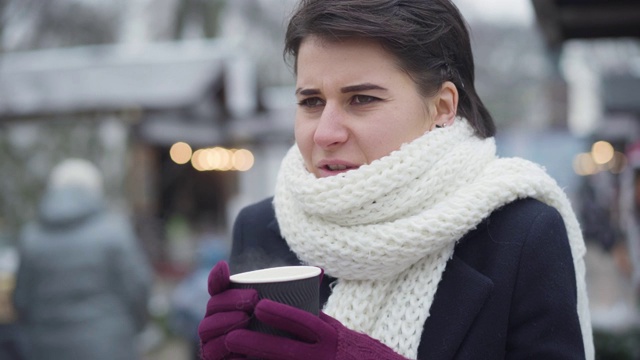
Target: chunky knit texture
[[387, 229]]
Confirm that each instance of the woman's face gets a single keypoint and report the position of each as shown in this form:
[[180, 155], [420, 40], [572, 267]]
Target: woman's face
[[355, 105]]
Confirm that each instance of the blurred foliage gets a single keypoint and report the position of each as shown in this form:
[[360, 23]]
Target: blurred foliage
[[204, 12], [617, 345], [37, 24], [512, 73]]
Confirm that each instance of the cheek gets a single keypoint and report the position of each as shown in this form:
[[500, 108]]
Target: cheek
[[388, 136], [379, 140], [413, 125]]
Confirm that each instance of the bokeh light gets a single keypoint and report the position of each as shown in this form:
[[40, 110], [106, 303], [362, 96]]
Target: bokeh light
[[583, 164], [221, 159], [602, 152], [180, 152], [242, 160], [196, 160]]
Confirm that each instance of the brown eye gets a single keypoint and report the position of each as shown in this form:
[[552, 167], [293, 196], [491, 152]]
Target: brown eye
[[311, 102], [363, 99]]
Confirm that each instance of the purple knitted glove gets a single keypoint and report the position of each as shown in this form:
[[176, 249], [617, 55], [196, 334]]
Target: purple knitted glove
[[227, 309], [319, 338]]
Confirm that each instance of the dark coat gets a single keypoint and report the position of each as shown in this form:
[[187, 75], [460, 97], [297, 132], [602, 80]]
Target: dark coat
[[83, 283], [509, 292]]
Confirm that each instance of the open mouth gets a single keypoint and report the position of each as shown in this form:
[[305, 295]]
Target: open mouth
[[337, 167], [334, 167]]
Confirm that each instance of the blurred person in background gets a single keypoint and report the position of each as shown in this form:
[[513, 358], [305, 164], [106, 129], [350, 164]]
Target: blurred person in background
[[83, 283], [432, 246], [189, 298], [596, 196]]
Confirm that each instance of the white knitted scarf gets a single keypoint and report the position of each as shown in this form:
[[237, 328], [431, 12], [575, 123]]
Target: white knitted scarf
[[387, 229]]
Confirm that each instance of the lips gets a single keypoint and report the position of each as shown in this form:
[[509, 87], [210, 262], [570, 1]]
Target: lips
[[334, 167]]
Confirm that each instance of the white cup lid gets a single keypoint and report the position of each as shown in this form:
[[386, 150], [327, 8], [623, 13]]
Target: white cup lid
[[276, 274]]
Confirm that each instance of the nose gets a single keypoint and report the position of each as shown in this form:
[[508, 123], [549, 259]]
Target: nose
[[331, 130]]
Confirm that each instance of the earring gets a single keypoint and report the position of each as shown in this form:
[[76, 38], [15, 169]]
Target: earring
[[440, 126]]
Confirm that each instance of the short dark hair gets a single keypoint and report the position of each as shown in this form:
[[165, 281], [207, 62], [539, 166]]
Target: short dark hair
[[428, 37]]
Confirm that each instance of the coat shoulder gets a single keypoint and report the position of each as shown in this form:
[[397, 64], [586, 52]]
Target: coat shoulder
[[516, 223], [262, 208]]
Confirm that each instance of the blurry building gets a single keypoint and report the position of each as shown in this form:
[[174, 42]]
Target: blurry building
[[125, 107], [596, 47]]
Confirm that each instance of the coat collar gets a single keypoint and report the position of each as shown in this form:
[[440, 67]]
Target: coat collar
[[273, 226]]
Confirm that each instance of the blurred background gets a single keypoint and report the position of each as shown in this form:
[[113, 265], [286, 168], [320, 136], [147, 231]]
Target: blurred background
[[187, 108]]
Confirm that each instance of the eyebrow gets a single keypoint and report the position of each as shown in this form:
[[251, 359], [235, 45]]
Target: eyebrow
[[344, 90], [361, 87]]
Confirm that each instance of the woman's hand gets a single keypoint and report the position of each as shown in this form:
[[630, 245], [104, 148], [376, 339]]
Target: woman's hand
[[317, 338], [227, 309]]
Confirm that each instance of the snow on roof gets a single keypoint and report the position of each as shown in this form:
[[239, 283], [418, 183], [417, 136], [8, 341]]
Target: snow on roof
[[160, 75]]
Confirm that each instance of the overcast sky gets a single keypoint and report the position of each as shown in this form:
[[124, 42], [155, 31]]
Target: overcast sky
[[505, 11]]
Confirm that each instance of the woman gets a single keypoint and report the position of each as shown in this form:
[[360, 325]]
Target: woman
[[433, 248]]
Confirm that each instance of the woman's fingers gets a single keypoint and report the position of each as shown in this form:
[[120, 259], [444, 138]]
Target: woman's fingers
[[304, 325], [219, 324], [233, 300], [218, 278]]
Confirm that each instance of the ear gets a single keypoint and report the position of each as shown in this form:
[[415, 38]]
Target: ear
[[446, 105]]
